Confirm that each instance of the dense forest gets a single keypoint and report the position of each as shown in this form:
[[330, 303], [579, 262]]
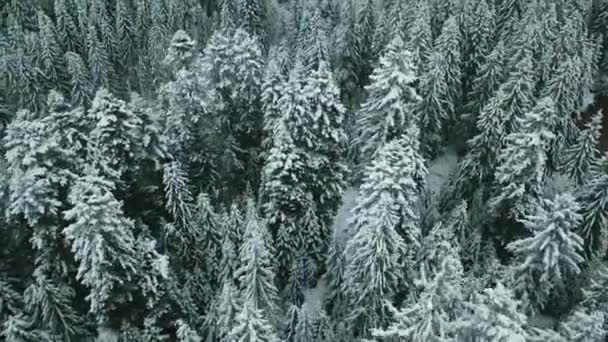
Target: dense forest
[[303, 170]]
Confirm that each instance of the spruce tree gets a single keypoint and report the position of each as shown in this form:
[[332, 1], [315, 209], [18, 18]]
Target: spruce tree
[[487, 79], [102, 241], [385, 235], [256, 272], [436, 107], [553, 252], [364, 38], [50, 306], [419, 37], [594, 203], [521, 166], [67, 30], [583, 327], [430, 317], [449, 45], [494, 316], [255, 19], [578, 159], [328, 145], [391, 99], [81, 90], [251, 326]]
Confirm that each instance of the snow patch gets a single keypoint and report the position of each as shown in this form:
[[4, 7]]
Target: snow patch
[[349, 200], [440, 170], [313, 298]]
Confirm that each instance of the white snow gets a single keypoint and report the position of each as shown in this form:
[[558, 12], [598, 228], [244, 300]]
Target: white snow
[[440, 169], [344, 212], [314, 297]]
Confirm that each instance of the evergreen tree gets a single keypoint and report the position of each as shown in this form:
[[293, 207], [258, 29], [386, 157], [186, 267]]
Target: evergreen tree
[[328, 143], [449, 45], [595, 294], [553, 251], [583, 327], [272, 89], [50, 307], [364, 38], [493, 316], [81, 87], [436, 107], [391, 99], [594, 203], [256, 272], [384, 227], [49, 52], [17, 328], [98, 59], [227, 310], [255, 19], [251, 326], [115, 137], [578, 159], [67, 30], [431, 316], [206, 223], [102, 242], [478, 26], [521, 166], [488, 77], [420, 38]]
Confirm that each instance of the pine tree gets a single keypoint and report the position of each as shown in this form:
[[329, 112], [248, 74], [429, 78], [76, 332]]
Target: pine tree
[[430, 317], [18, 328], [384, 227], [388, 109], [553, 251], [49, 51], [363, 45], [122, 45], [493, 316], [179, 204], [595, 294], [256, 272], [521, 166], [436, 107], [284, 194], [420, 38], [478, 26], [66, 28], [255, 19], [98, 59], [115, 137], [206, 222], [346, 54], [328, 145], [594, 203], [102, 241], [251, 326], [488, 78], [449, 45], [50, 306], [578, 159], [373, 275], [227, 310], [81, 87], [584, 327], [272, 89]]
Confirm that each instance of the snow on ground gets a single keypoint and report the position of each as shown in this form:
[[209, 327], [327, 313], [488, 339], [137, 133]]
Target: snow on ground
[[314, 297], [344, 212], [440, 169]]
